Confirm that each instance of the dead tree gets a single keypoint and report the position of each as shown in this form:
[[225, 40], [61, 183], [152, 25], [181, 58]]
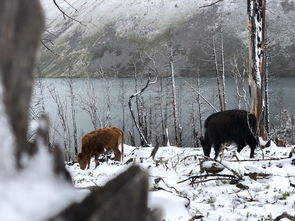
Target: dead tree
[[70, 84], [220, 77], [89, 103], [239, 76], [177, 129], [256, 15], [62, 113], [143, 139], [122, 101]]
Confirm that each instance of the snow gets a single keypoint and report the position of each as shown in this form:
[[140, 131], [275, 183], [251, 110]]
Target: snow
[[215, 200]]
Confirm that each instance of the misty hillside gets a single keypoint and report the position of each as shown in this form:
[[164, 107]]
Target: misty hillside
[[117, 36]]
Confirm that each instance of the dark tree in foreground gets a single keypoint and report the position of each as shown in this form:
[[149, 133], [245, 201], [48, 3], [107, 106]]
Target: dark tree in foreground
[[20, 30]]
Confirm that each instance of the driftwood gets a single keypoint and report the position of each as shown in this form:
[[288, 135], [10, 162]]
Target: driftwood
[[214, 177], [123, 198], [285, 215], [155, 150]]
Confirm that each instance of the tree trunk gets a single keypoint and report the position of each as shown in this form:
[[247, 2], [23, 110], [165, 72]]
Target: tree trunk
[[256, 15], [174, 102]]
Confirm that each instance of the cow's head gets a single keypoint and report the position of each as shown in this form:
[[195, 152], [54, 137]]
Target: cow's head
[[82, 160]]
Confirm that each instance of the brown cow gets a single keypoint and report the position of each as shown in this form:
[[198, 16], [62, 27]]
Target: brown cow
[[97, 141]]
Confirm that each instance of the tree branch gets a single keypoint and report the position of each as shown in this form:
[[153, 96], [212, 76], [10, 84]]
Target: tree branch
[[214, 3], [65, 14]]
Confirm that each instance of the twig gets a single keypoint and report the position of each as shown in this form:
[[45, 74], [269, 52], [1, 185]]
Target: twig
[[214, 3], [229, 177], [48, 48], [211, 105], [220, 179], [65, 14], [257, 160], [256, 175], [193, 155], [251, 197], [76, 10]]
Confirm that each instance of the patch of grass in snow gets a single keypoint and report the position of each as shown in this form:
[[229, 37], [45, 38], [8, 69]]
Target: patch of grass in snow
[[267, 218], [210, 200], [284, 195]]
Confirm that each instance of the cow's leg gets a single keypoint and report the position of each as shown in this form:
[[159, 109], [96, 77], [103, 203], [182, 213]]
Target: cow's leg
[[88, 161], [117, 154], [217, 148]]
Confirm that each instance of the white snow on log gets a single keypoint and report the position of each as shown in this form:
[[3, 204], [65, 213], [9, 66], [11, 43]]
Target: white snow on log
[[35, 193]]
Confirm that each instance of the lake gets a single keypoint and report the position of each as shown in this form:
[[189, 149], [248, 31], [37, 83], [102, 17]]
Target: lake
[[107, 99]]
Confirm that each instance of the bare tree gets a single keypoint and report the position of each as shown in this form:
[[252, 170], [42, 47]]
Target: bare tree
[[143, 139], [218, 57], [239, 75], [89, 103], [123, 102], [73, 98], [62, 109], [107, 104], [171, 61]]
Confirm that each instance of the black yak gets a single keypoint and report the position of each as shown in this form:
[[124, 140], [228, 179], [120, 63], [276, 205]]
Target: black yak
[[236, 126]]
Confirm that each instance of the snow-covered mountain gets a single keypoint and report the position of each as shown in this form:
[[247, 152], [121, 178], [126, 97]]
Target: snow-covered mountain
[[109, 34]]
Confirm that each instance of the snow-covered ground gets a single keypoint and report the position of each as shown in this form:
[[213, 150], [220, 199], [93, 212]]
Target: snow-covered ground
[[256, 199]]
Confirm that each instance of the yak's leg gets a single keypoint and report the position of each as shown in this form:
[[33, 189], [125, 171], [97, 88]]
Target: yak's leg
[[252, 152], [240, 145], [252, 142], [217, 147], [206, 145]]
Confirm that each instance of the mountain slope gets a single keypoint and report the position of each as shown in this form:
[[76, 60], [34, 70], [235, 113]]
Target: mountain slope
[[109, 35]]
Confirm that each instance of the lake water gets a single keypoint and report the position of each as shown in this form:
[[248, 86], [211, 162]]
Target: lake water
[[110, 98]]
